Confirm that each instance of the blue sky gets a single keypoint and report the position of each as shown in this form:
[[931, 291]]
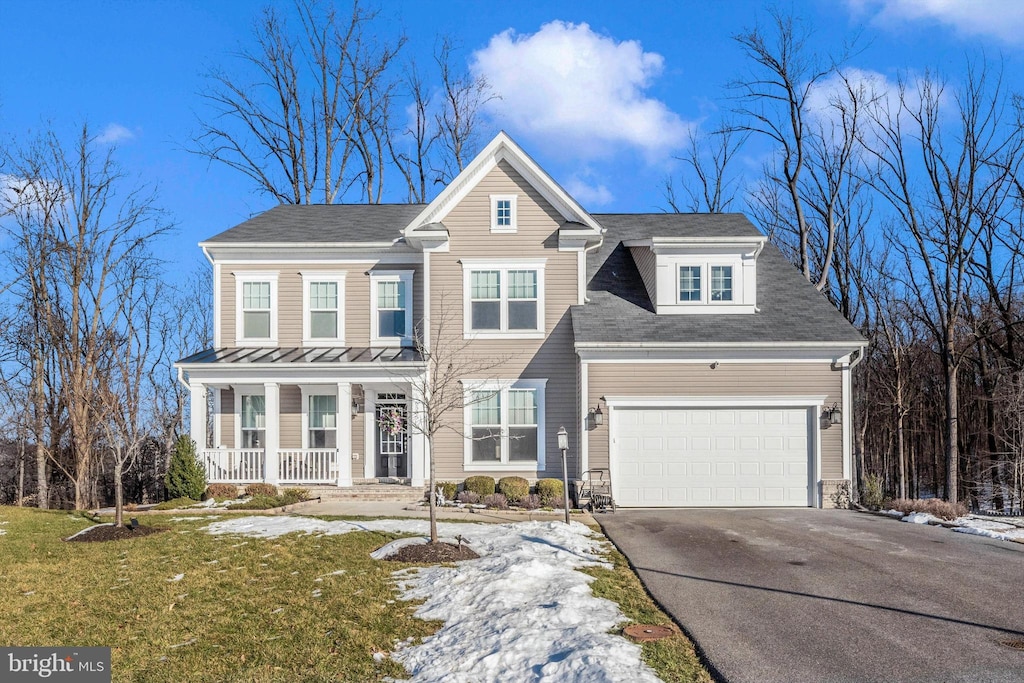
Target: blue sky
[[632, 78]]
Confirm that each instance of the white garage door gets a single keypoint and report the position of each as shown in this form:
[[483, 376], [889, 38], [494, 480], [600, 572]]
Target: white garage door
[[726, 457]]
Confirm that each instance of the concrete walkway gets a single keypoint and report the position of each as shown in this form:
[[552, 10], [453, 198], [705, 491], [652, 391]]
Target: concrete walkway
[[389, 509]]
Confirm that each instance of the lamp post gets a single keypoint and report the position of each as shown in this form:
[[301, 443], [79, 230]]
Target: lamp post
[[563, 445]]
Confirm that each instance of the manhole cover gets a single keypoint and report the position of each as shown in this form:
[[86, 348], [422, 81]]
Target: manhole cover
[[1015, 644], [643, 633]]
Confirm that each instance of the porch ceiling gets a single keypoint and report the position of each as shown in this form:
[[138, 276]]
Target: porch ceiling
[[304, 355]]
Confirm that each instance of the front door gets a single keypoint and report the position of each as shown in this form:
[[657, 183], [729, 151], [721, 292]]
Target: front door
[[392, 436]]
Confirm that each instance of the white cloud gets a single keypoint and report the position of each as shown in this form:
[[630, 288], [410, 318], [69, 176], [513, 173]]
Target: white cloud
[[1002, 19], [114, 133], [587, 194], [585, 92]]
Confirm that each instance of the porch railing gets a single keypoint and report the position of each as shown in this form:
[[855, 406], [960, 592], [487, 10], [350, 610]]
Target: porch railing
[[307, 466], [294, 466], [233, 465]]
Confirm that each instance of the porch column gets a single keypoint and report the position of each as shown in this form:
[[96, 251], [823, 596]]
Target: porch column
[[272, 398], [343, 421], [197, 410], [418, 455]]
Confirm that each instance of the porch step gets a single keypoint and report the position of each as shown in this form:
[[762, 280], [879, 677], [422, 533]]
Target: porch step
[[398, 493]]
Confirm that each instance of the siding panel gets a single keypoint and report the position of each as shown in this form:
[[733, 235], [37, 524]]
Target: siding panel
[[227, 418], [552, 358], [291, 416], [697, 379], [646, 263]]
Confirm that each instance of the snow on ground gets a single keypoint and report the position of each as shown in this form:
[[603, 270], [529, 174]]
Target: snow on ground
[[520, 612], [978, 526]]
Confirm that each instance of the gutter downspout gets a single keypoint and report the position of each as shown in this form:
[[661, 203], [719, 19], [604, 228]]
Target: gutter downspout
[[586, 251]]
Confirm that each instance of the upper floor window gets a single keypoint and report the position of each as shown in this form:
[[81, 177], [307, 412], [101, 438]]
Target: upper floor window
[[689, 283], [721, 283], [504, 299], [503, 213], [391, 302], [323, 319], [256, 306]]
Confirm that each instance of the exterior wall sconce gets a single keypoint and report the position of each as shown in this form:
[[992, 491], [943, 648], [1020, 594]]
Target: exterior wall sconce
[[355, 408], [831, 416], [596, 416]]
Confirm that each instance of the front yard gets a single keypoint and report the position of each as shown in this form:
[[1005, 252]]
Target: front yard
[[185, 604]]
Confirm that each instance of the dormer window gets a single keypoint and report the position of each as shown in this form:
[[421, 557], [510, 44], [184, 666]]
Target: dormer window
[[503, 213], [721, 283], [689, 283]]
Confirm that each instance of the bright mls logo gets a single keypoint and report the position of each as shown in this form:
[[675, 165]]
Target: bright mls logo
[[79, 664]]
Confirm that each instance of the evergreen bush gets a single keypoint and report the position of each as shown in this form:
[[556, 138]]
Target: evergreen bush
[[482, 486], [549, 490], [185, 475], [513, 488]]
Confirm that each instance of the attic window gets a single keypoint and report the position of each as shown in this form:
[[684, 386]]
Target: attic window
[[503, 213]]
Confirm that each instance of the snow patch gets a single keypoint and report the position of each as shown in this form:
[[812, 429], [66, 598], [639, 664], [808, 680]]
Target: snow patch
[[921, 518], [87, 529], [519, 612], [175, 578]]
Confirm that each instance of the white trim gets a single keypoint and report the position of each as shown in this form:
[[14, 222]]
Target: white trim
[[810, 401], [581, 277], [584, 418], [253, 389], [513, 221], [294, 253], [311, 374], [251, 276], [502, 386], [369, 433], [502, 148], [308, 390], [469, 266], [425, 330], [330, 276], [405, 277], [217, 312], [849, 346], [847, 408]]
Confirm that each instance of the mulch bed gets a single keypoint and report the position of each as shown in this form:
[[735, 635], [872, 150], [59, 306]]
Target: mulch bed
[[433, 553], [102, 533]]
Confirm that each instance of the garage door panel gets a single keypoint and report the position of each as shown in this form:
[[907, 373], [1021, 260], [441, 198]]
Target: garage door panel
[[707, 457]]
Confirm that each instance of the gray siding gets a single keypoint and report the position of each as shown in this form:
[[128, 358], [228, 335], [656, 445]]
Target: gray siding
[[291, 416], [646, 263], [358, 432], [227, 418], [697, 379], [552, 358], [289, 304]]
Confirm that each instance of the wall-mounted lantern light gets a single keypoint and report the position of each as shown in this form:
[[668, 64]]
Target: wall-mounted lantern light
[[596, 416], [831, 416]]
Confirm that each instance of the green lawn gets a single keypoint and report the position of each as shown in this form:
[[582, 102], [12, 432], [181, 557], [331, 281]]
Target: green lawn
[[246, 608]]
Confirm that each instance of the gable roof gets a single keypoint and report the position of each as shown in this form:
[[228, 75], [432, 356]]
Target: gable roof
[[619, 309], [322, 223], [503, 148]]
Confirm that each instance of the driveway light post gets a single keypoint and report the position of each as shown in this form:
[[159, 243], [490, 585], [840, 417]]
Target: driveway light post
[[563, 445]]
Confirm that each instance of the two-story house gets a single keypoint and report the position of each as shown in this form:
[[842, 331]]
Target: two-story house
[[683, 353]]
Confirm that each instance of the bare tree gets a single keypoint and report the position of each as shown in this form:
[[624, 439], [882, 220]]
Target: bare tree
[[412, 147], [463, 96], [440, 388], [945, 174], [708, 158]]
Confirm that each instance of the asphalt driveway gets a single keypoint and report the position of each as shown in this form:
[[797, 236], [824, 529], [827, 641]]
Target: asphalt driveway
[[795, 595]]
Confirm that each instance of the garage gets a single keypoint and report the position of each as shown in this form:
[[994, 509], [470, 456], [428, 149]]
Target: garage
[[715, 456]]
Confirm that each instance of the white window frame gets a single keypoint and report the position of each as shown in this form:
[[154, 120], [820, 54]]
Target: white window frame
[[504, 266], [341, 412], [405, 277], [247, 390], [503, 387], [513, 227], [308, 278], [705, 266], [241, 279], [732, 283]]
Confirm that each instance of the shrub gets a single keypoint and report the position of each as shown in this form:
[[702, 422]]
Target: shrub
[[932, 506], [185, 475], [221, 491], [558, 502], [260, 489], [468, 497], [482, 486], [530, 502], [448, 488], [872, 494], [549, 490], [513, 488], [496, 501], [295, 495]]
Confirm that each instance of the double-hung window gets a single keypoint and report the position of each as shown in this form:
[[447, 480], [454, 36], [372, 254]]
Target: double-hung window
[[323, 425], [504, 424], [504, 299], [256, 308], [391, 304], [689, 283], [706, 284], [323, 296], [254, 421]]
